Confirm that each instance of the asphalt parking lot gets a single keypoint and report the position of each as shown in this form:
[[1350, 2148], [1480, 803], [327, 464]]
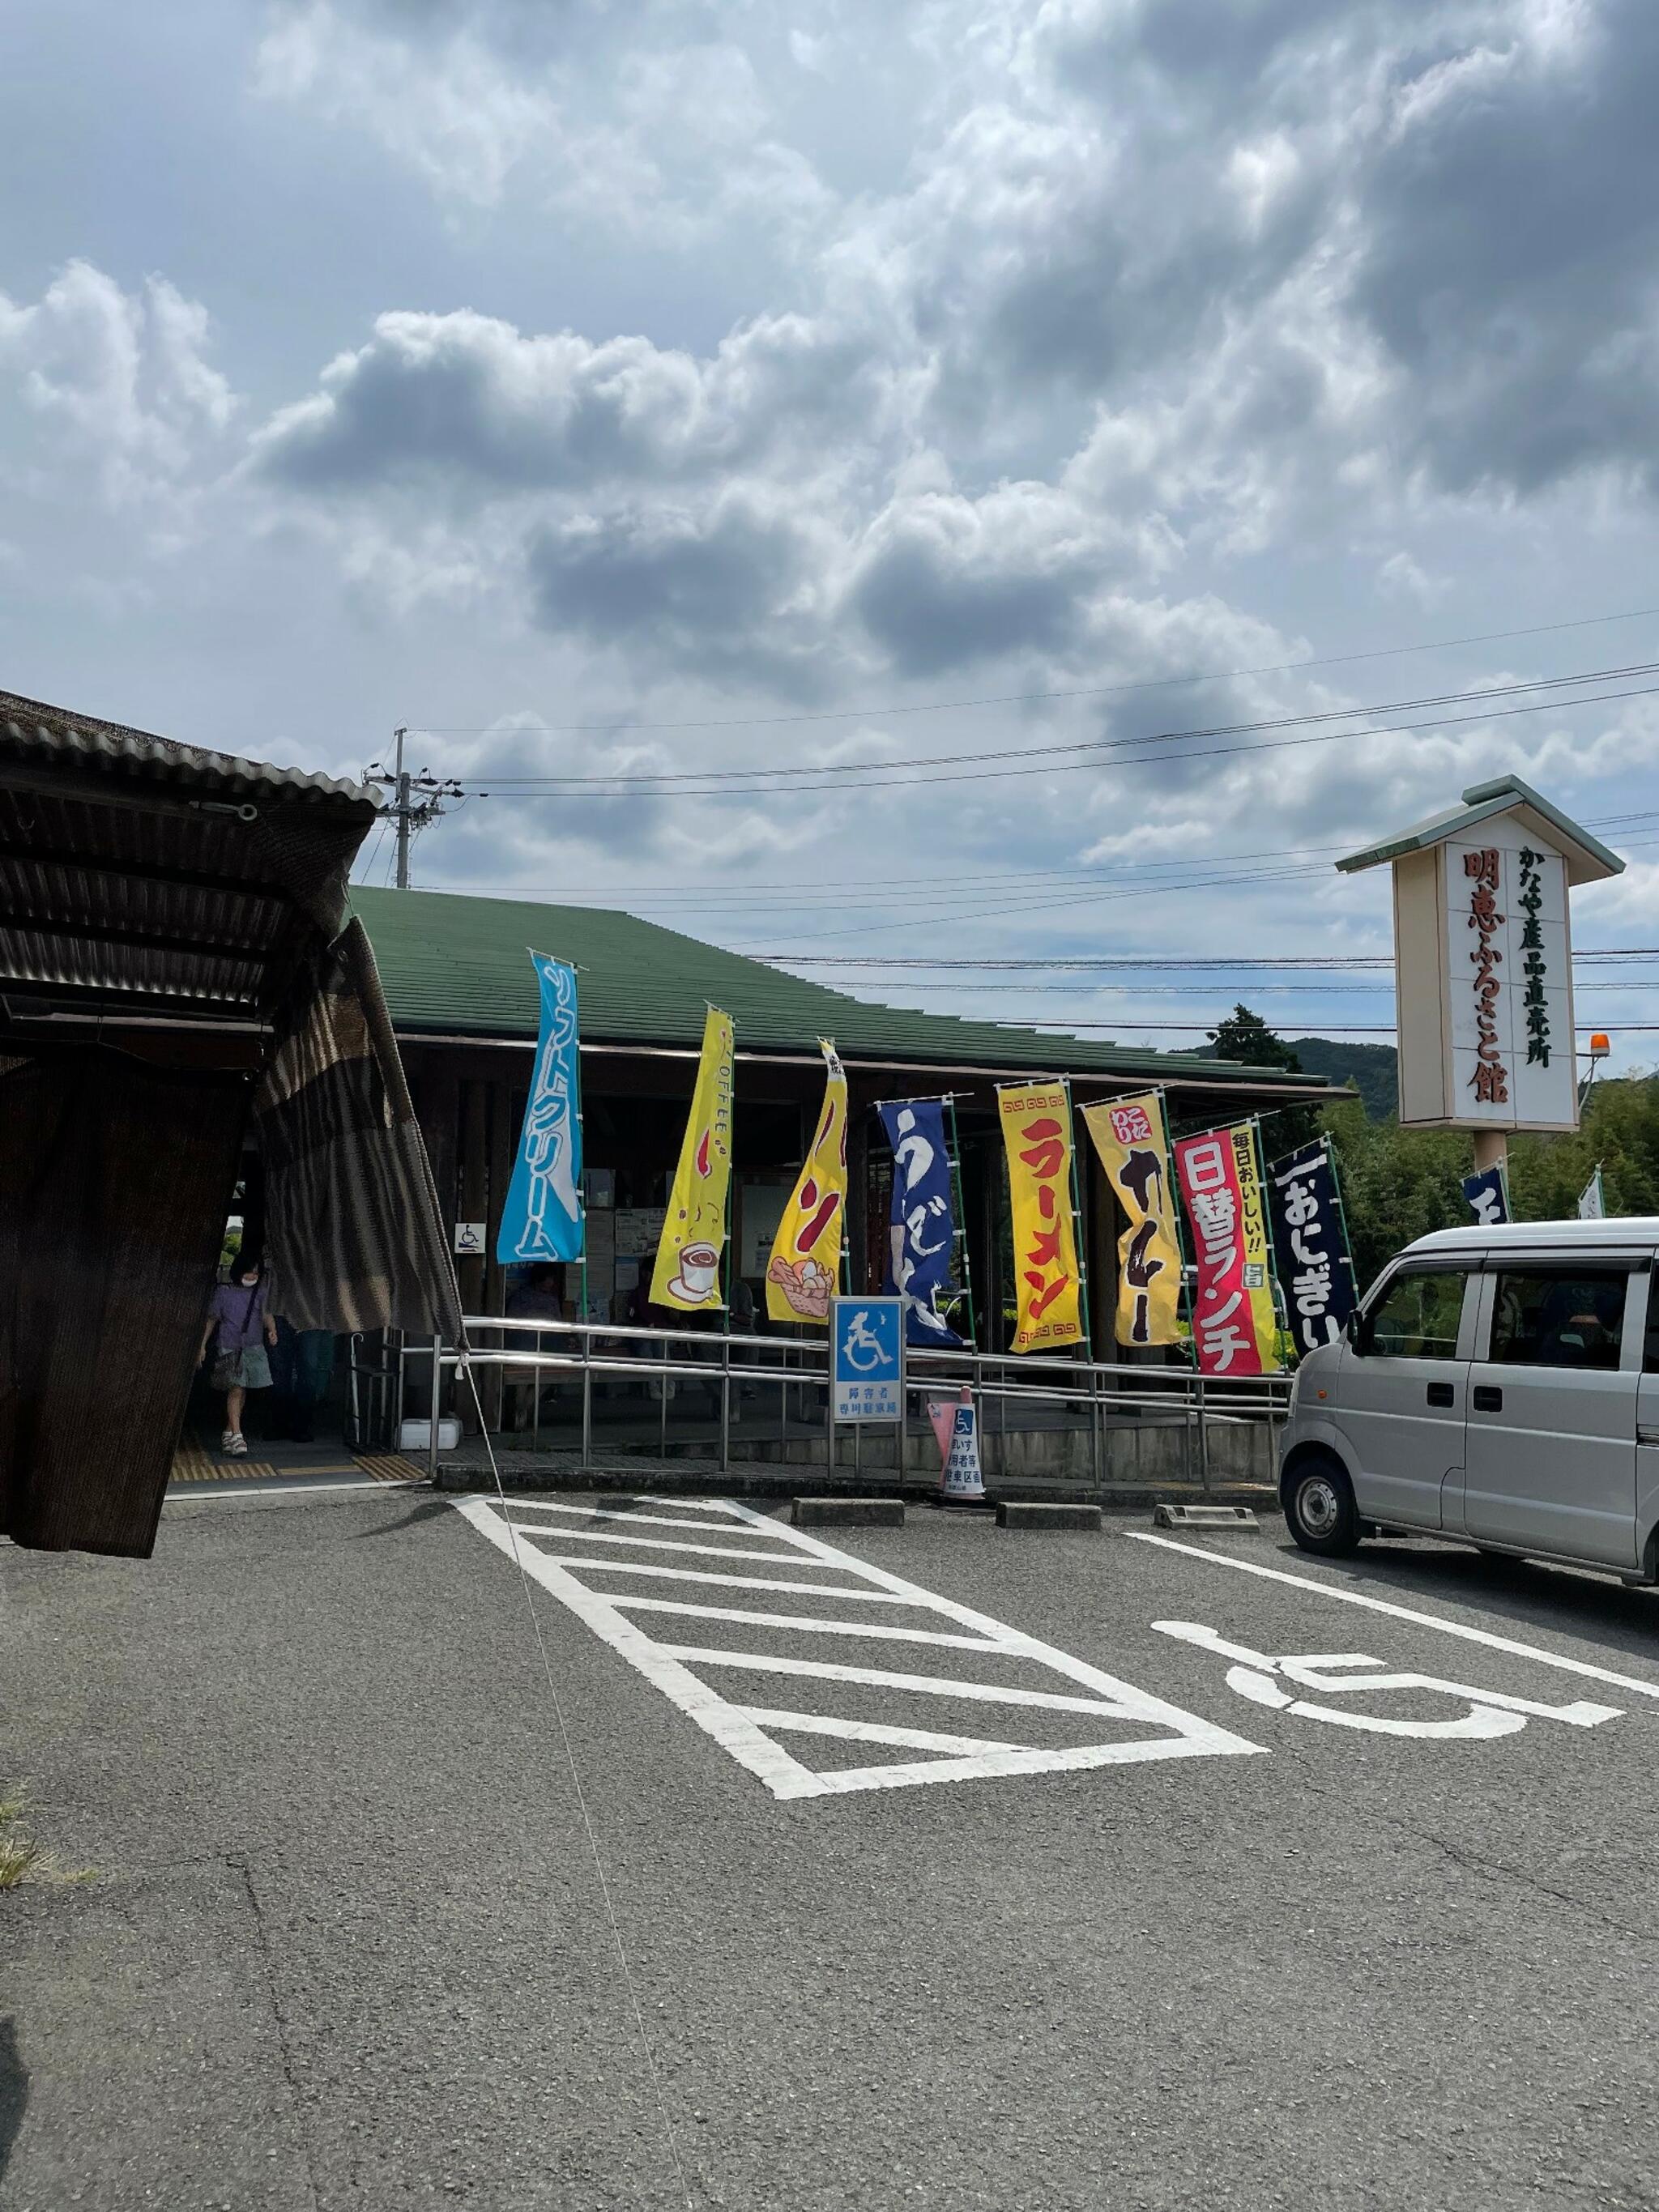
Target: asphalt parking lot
[[941, 1866]]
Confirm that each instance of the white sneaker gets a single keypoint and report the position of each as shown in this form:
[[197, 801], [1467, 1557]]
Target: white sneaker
[[238, 1446], [226, 1440]]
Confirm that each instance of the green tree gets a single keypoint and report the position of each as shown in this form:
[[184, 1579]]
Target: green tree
[[1245, 1039]]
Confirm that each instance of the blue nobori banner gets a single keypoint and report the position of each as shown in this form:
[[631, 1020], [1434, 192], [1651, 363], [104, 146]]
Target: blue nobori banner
[[922, 1229], [1310, 1243], [542, 1216], [1488, 1193]]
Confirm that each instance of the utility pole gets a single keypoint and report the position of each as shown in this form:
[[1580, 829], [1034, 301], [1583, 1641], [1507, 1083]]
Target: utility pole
[[410, 812]]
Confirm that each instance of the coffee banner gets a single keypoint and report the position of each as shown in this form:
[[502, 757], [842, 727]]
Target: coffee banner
[[688, 1269], [1234, 1321], [1129, 1136], [542, 1219], [922, 1234], [804, 1269], [1037, 1134], [1310, 1237]]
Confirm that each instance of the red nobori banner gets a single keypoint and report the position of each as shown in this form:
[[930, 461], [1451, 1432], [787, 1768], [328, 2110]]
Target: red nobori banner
[[1233, 1307]]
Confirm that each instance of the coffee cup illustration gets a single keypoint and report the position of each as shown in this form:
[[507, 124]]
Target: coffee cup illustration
[[700, 1268]]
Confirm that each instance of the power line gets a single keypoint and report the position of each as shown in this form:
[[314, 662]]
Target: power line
[[1027, 698], [620, 781], [1090, 963], [1071, 767]]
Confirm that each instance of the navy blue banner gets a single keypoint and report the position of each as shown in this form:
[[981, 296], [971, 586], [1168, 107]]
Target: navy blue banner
[[1311, 1242], [921, 1227], [542, 1219], [1488, 1194]]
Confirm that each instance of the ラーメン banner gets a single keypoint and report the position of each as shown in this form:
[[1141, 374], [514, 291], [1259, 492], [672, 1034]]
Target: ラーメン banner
[[1129, 1135], [688, 1270], [805, 1269], [1036, 1134], [1233, 1323], [542, 1219]]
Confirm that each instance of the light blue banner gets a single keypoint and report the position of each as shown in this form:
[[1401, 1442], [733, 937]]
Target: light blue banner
[[542, 1216]]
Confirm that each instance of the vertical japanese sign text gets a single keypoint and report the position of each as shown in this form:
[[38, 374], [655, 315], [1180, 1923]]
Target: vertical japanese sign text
[[1036, 1134]]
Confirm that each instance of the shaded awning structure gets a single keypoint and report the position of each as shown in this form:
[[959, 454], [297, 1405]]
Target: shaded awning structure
[[141, 876], [175, 954]]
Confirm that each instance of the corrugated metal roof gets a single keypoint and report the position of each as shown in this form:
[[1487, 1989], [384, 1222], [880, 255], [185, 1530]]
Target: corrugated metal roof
[[135, 871], [29, 726], [458, 966]]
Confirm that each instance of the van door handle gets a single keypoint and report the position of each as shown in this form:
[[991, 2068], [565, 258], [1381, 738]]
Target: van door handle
[[1646, 1436], [1441, 1394], [1488, 1398]]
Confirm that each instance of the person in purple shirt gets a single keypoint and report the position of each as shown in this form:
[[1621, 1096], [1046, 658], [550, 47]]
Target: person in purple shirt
[[241, 1327]]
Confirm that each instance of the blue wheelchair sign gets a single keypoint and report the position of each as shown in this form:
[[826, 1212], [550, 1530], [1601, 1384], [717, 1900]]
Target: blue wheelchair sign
[[867, 1371]]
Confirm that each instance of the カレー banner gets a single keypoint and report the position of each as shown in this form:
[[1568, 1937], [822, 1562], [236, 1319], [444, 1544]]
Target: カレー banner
[[1037, 1134], [1234, 1323], [804, 1269], [1129, 1135], [688, 1270]]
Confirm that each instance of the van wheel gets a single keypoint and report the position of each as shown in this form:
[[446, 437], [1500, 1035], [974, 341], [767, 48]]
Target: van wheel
[[1320, 1509]]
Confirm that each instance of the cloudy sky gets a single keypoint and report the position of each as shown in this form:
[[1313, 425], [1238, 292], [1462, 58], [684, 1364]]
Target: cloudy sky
[[675, 388]]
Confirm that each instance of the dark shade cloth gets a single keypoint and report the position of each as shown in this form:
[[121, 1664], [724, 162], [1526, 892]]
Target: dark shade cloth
[[352, 1228], [115, 1179]]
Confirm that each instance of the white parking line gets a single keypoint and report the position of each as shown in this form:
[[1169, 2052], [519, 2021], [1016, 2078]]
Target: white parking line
[[1404, 1613], [612, 1513], [747, 1731]]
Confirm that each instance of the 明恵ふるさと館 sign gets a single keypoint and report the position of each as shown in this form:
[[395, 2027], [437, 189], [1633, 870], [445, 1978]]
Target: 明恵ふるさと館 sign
[[1483, 959]]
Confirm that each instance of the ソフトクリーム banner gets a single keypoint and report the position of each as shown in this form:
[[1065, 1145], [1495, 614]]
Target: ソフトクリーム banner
[[1128, 1135], [1234, 1323], [1036, 1134], [688, 1270], [542, 1219], [805, 1269]]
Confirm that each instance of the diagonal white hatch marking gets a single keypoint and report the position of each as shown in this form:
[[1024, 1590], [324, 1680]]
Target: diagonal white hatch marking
[[1053, 1681]]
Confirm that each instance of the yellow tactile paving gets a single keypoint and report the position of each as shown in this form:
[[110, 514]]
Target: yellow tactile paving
[[391, 1467]]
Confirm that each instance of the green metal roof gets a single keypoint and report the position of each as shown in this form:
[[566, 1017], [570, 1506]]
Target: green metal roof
[[456, 966], [1588, 861]]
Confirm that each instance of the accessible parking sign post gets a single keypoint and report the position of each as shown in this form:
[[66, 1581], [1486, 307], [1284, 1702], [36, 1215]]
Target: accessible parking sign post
[[866, 1364]]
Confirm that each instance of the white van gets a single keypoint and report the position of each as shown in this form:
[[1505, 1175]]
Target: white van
[[1497, 1384]]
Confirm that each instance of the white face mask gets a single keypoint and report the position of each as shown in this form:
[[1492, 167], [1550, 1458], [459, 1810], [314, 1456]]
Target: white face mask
[[248, 1281]]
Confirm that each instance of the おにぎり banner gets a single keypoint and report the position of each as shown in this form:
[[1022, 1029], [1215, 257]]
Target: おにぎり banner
[[1233, 1323], [542, 1219], [805, 1268], [1128, 1135], [688, 1269], [921, 1229], [1315, 1270], [1037, 1134]]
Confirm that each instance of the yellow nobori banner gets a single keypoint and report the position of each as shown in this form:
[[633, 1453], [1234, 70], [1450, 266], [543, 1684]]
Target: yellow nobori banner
[[1130, 1137], [1245, 1140], [688, 1270], [804, 1269], [1037, 1134]]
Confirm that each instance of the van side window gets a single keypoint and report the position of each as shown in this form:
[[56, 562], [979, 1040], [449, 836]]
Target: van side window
[[1559, 1318], [1417, 1316]]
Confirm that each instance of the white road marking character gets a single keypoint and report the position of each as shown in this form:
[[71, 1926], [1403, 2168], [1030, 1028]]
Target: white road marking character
[[1045, 1684], [1491, 1713]]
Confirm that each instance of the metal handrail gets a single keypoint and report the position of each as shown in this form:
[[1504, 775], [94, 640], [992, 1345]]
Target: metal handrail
[[1095, 1389]]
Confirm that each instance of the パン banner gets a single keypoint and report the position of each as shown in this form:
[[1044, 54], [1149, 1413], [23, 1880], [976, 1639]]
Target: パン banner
[[542, 1219], [1129, 1135], [1233, 1323], [804, 1269], [688, 1270], [1036, 1134]]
